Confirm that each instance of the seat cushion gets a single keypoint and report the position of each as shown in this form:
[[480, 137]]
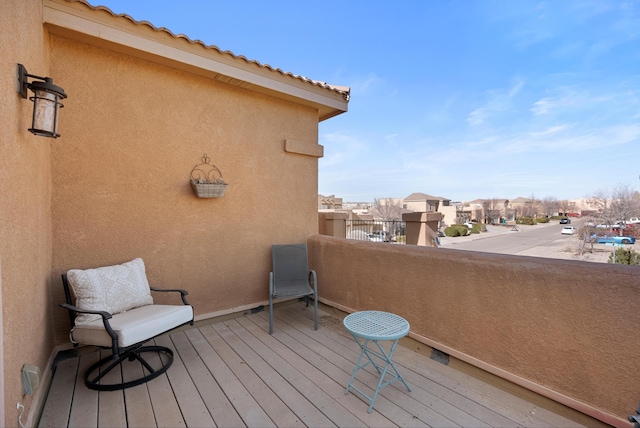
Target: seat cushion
[[112, 289], [290, 288], [134, 326]]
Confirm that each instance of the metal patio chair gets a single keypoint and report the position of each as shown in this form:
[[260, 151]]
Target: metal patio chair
[[291, 277], [114, 309]]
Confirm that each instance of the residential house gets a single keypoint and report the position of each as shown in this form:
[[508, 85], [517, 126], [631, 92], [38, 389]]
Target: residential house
[[490, 211], [329, 202], [525, 207], [421, 202]]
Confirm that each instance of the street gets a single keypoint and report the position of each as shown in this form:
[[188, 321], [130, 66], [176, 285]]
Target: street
[[541, 240]]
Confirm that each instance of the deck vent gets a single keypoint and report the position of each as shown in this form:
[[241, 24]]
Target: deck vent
[[439, 356]]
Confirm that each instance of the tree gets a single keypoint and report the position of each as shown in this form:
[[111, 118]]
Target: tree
[[624, 204], [491, 209], [386, 209], [549, 205], [390, 212], [564, 206], [616, 205]]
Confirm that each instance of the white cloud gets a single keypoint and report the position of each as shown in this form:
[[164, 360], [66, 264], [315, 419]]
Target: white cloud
[[542, 106], [340, 148], [391, 139], [498, 101], [365, 84], [476, 117], [516, 89]]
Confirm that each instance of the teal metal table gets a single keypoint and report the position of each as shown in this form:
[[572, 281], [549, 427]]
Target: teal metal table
[[373, 327]]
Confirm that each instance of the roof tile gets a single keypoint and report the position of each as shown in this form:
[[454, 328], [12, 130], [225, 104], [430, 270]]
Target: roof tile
[[344, 90]]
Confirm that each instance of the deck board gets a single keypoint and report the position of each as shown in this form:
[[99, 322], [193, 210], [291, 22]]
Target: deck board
[[232, 373], [328, 370], [194, 404], [111, 407], [270, 404], [344, 352], [221, 409], [58, 405], [165, 408], [84, 408], [242, 401], [292, 368], [253, 369], [137, 400], [507, 409], [326, 376]]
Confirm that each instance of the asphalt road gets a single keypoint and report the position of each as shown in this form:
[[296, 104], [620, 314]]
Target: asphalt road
[[541, 238]]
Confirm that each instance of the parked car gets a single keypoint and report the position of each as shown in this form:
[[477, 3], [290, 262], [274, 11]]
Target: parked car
[[565, 220], [381, 235], [359, 235], [615, 227], [612, 239], [568, 230]]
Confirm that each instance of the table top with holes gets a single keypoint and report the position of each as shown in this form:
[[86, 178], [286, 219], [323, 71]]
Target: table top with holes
[[376, 325]]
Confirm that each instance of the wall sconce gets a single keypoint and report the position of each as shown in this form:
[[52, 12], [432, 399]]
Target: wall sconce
[[46, 102]]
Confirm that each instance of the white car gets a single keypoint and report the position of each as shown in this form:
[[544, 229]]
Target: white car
[[568, 230]]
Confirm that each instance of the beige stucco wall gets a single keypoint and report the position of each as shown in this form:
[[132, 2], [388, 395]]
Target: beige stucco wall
[[568, 327], [115, 186], [25, 209], [449, 214], [132, 133]]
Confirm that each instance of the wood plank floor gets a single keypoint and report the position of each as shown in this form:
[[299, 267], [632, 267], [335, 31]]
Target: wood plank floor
[[233, 373]]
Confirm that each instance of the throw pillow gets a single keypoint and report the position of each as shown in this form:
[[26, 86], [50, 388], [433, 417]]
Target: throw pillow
[[113, 289]]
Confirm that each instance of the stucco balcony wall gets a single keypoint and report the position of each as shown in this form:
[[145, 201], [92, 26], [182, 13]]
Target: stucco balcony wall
[[566, 329]]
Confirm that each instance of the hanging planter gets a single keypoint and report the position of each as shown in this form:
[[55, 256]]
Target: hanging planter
[[206, 180]]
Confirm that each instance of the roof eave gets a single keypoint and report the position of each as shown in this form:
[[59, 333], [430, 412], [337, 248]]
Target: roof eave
[[100, 27]]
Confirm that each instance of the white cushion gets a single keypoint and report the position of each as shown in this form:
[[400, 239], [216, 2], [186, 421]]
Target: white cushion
[[112, 289], [134, 326]]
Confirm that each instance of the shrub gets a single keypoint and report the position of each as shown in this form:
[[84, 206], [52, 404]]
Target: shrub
[[542, 220], [456, 230], [477, 228], [625, 257], [526, 220]]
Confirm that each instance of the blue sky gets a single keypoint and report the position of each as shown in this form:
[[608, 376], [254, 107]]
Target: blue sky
[[462, 99]]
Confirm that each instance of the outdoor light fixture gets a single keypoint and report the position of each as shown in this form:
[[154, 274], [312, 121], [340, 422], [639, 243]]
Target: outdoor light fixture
[[46, 102]]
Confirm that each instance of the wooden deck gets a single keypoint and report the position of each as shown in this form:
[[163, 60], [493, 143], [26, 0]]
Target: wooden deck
[[233, 373]]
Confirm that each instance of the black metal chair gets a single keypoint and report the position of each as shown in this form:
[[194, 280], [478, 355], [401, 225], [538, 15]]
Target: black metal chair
[[291, 277], [124, 332]]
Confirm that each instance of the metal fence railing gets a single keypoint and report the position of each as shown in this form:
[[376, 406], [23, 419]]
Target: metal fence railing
[[393, 231]]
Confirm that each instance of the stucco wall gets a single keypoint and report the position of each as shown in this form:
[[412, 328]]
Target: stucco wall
[[567, 326], [25, 210], [132, 133]]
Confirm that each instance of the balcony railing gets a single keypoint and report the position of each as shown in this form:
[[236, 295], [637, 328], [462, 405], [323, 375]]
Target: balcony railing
[[393, 231], [564, 329]]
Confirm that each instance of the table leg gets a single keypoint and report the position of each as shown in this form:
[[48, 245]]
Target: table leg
[[363, 352], [383, 371]]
